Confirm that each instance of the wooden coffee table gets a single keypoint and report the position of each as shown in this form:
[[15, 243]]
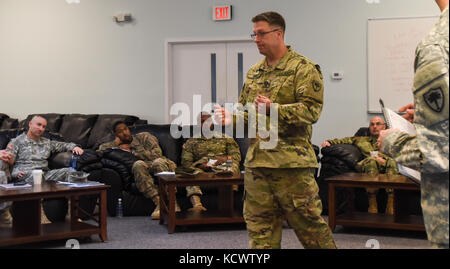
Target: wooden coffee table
[[399, 220], [224, 214], [27, 227]]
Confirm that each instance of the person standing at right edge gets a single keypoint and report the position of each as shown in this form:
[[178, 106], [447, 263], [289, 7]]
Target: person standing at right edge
[[428, 150], [279, 182]]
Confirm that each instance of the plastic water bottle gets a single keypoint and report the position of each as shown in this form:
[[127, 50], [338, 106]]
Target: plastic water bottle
[[119, 208], [73, 162]]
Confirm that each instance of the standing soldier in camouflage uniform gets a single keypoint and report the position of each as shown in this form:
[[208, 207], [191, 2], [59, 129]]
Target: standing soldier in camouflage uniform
[[146, 149], [428, 150], [197, 152], [30, 151], [378, 163], [280, 182]]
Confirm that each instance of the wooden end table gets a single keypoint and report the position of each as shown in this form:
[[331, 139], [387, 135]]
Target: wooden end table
[[27, 227], [399, 220], [224, 214]]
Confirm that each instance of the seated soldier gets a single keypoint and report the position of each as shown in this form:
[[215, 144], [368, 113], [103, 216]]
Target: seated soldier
[[31, 151], [208, 154], [5, 215], [374, 161], [146, 149]]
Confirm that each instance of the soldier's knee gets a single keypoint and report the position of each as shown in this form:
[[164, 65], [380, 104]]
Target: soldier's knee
[[138, 165]]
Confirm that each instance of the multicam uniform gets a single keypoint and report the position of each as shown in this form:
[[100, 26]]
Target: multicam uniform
[[428, 150], [280, 181], [146, 148], [369, 164], [30, 155], [196, 149]]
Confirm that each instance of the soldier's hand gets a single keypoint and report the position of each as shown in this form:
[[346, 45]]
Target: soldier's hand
[[20, 175], [262, 104], [409, 109], [380, 160], [221, 116], [6, 156], [220, 161], [77, 151], [325, 144], [383, 133]]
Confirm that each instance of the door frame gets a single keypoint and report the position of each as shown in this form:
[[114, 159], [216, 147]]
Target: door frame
[[168, 54]]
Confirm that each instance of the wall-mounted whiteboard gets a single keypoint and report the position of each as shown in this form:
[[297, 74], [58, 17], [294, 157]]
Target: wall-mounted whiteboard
[[391, 45]]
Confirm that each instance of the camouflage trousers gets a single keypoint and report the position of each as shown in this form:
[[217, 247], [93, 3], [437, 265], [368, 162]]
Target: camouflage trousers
[[272, 195], [4, 167], [434, 200], [370, 165], [51, 175], [145, 183]]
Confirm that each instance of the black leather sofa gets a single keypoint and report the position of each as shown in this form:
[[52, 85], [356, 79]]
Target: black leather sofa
[[89, 131], [342, 158]]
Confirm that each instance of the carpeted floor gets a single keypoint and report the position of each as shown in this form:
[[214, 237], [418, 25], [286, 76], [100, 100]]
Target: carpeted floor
[[144, 233]]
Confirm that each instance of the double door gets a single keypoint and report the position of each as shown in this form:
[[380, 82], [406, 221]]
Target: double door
[[207, 72]]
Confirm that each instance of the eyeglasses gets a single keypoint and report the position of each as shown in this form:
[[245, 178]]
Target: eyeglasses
[[262, 34], [377, 124]]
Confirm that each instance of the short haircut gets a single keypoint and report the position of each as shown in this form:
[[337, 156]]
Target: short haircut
[[38, 116], [272, 18], [117, 124]]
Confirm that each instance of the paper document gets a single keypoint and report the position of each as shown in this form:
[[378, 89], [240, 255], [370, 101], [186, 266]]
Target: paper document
[[408, 172], [164, 173], [80, 184], [12, 187], [395, 121]]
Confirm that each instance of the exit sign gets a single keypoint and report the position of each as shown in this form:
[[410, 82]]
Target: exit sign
[[222, 13]]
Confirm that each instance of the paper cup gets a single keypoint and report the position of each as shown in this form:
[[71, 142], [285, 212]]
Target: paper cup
[[37, 177]]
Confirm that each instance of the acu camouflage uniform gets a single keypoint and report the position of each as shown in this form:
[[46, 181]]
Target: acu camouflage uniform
[[369, 164], [30, 155], [428, 150], [146, 148], [280, 181]]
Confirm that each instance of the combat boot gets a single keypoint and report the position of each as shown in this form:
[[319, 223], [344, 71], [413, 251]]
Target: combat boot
[[373, 207], [44, 219], [5, 218], [196, 203], [156, 213], [390, 204]]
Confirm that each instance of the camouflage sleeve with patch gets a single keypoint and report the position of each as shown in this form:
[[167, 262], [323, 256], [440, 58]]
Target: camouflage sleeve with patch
[[308, 85], [151, 145]]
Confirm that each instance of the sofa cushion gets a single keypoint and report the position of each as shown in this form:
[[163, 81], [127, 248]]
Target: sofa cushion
[[2, 117], [76, 128], [9, 123], [363, 131], [171, 147], [7, 135], [103, 132], [54, 121]]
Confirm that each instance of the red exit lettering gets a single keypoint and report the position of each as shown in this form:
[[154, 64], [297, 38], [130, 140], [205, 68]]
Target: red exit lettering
[[222, 13]]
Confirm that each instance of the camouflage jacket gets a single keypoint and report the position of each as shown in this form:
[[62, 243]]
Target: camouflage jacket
[[144, 146], [428, 150], [30, 154], [296, 85], [197, 148], [365, 144]]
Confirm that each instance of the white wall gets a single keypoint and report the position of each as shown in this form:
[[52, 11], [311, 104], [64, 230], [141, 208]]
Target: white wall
[[72, 58]]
